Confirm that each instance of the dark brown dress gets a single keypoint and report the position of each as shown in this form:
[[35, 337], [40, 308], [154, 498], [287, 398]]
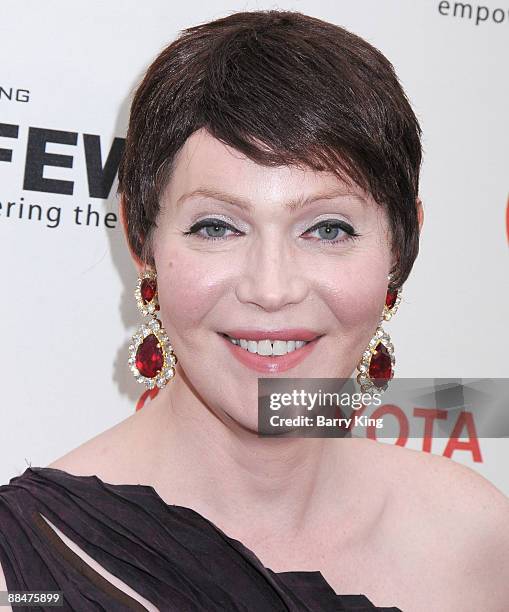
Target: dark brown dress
[[171, 555]]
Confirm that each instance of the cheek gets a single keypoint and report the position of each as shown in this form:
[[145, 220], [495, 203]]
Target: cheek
[[186, 278], [355, 292]]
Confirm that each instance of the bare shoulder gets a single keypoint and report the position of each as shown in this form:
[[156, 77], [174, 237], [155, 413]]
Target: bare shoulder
[[108, 455], [437, 470], [439, 483], [452, 526], [434, 479]]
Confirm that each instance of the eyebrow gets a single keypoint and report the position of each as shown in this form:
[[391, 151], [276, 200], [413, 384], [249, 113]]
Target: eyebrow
[[292, 205]]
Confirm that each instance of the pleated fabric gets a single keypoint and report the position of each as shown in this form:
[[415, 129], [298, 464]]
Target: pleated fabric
[[171, 555]]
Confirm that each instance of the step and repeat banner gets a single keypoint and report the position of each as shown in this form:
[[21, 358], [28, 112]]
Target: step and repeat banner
[[67, 77]]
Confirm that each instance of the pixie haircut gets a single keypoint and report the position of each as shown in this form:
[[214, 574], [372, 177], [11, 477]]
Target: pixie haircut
[[282, 88]]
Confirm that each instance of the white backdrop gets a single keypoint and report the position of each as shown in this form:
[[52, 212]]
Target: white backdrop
[[67, 310]]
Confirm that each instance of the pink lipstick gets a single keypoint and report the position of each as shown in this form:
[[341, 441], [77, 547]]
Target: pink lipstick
[[271, 364]]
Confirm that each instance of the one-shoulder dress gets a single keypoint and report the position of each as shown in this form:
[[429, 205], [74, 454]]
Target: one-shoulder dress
[[171, 555]]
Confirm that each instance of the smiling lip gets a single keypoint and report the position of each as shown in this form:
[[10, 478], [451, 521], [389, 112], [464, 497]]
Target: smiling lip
[[270, 364], [298, 333]]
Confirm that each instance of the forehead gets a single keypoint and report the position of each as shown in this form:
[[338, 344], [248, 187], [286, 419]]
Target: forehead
[[205, 166]]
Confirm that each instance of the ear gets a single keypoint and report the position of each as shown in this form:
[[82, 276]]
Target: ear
[[420, 213], [138, 264]]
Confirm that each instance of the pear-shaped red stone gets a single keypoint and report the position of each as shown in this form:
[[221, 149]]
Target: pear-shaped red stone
[[380, 366], [149, 357], [148, 289], [390, 298]]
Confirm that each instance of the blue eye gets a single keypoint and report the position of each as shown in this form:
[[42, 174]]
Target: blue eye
[[214, 229], [329, 230]]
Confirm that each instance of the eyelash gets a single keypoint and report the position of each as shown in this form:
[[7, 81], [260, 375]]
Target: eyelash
[[333, 223]]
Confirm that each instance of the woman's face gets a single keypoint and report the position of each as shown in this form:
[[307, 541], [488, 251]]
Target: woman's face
[[244, 250]]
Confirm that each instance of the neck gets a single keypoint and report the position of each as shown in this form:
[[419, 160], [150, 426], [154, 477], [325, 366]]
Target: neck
[[210, 463]]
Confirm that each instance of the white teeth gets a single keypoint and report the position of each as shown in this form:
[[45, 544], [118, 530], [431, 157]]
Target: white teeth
[[268, 347], [264, 347], [280, 347]]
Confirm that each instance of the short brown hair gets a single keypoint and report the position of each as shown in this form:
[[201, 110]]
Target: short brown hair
[[282, 88]]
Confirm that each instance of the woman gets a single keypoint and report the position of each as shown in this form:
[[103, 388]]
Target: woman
[[269, 190]]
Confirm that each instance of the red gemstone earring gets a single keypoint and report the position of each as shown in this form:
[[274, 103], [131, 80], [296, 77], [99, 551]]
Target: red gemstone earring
[[392, 300], [376, 367], [151, 357]]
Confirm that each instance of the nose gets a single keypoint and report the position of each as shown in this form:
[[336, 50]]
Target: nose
[[271, 277]]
